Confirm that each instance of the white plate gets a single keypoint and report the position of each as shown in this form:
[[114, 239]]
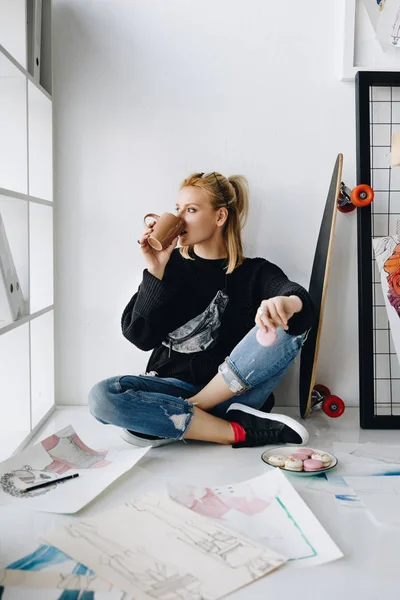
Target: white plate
[[288, 450]]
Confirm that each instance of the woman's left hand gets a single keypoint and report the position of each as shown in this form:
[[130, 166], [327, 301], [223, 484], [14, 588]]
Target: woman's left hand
[[277, 311]]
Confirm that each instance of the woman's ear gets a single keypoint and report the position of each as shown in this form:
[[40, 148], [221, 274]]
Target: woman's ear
[[222, 216]]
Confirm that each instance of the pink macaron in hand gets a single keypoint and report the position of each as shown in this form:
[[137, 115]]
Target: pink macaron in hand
[[266, 338]]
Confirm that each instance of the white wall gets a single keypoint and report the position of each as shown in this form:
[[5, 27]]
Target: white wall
[[148, 91]]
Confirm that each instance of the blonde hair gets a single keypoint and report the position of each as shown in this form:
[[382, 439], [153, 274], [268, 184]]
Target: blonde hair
[[233, 194]]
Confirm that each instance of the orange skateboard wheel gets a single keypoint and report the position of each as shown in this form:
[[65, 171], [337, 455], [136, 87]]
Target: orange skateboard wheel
[[362, 195]]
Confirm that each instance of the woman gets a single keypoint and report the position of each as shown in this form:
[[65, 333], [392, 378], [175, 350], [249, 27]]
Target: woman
[[196, 308]]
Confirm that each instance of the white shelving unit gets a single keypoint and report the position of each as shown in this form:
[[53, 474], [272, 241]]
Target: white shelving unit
[[26, 205]]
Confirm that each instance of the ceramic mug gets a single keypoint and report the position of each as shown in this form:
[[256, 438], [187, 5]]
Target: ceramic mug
[[167, 227]]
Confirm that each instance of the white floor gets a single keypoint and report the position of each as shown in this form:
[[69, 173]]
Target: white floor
[[369, 569]]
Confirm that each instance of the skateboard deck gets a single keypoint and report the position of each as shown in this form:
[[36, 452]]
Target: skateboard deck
[[318, 289]]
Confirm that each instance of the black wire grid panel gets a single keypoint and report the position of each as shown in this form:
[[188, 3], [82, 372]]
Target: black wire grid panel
[[377, 118]]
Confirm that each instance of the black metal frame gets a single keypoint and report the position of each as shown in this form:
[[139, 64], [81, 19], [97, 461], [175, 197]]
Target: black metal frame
[[368, 419]]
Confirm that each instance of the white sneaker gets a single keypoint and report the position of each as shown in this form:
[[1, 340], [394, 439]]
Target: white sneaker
[[139, 439]]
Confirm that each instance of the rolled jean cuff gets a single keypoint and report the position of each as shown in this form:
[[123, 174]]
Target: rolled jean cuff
[[231, 377]]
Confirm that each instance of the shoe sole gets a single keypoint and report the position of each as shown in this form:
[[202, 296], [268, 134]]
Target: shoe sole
[[292, 423], [135, 440]]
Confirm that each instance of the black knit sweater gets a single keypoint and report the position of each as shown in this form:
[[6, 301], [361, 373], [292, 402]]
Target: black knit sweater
[[187, 288]]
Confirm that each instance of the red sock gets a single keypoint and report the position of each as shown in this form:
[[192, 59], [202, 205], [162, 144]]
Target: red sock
[[238, 431]]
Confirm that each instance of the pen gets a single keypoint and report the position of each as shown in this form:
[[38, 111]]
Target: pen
[[47, 483]]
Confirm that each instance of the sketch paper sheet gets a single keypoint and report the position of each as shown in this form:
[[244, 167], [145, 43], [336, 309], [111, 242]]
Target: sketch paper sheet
[[371, 453], [53, 581], [267, 509], [385, 19], [16, 593], [374, 10], [44, 570], [334, 485], [24, 552], [153, 547], [380, 494], [388, 27], [356, 461], [61, 454], [387, 254]]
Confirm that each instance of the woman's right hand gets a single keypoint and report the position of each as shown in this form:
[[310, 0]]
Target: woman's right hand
[[156, 260]]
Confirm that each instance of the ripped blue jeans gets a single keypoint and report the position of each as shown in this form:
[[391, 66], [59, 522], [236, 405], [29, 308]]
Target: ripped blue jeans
[[158, 406]]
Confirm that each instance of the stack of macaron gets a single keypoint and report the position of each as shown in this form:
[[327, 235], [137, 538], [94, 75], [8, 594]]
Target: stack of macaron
[[303, 459]]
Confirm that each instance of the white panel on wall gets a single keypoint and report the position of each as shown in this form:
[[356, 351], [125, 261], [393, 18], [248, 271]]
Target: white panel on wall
[[41, 256], [42, 365], [132, 125], [14, 213], [13, 28], [13, 128], [14, 380], [40, 144]]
